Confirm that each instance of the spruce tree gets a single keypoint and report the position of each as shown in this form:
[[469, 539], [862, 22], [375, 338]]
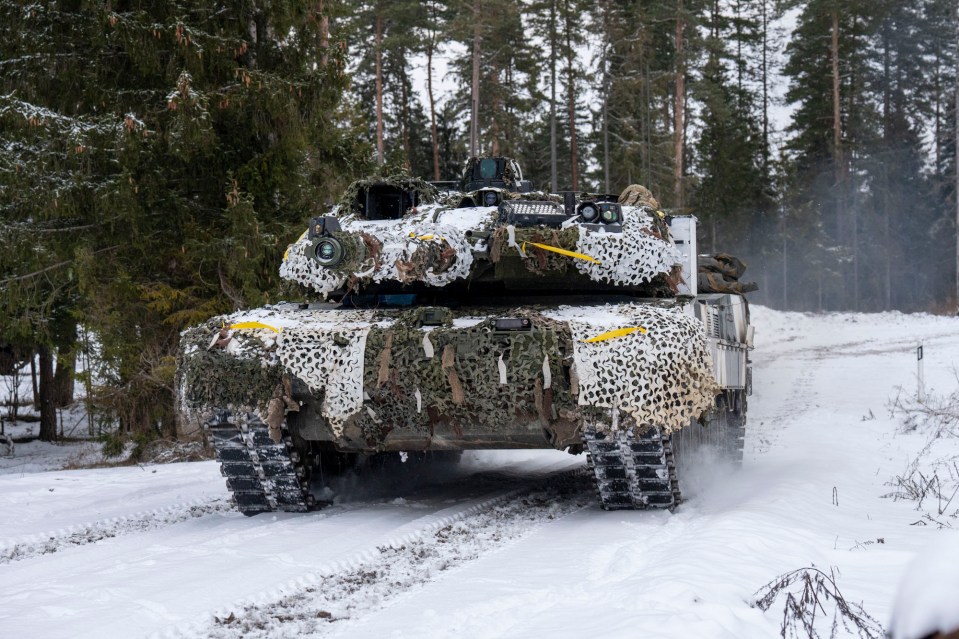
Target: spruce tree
[[733, 195], [162, 155], [823, 79]]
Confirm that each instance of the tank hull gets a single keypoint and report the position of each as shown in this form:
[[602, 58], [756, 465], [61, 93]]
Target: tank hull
[[437, 378]]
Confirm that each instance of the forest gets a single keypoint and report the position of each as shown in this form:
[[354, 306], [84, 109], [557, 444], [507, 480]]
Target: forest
[[158, 157]]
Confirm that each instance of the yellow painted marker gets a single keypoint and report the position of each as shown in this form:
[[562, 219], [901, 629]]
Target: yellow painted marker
[[556, 249], [255, 325], [619, 332], [426, 238]]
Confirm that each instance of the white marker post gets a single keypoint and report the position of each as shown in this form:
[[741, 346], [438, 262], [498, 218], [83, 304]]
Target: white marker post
[[921, 391]]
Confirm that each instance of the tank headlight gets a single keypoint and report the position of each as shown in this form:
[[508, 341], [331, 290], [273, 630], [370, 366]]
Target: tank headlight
[[328, 251], [611, 214], [589, 212], [491, 198]]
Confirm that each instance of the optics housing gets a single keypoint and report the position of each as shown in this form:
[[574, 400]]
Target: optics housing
[[589, 212], [328, 252]]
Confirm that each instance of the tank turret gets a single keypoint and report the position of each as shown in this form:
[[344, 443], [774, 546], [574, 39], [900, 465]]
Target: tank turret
[[528, 243]]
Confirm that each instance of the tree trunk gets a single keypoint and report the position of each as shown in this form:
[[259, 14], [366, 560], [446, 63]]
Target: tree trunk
[[606, 89], [842, 224], [956, 125], [495, 110], [887, 135], [836, 116], [380, 149], [63, 382], [405, 116], [434, 138], [646, 173], [785, 264], [475, 99], [66, 365], [553, 159], [48, 409], [324, 33], [571, 92], [678, 112], [33, 378], [765, 76]]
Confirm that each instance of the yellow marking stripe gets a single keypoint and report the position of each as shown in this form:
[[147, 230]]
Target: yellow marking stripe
[[255, 325], [426, 238], [556, 249], [619, 332]]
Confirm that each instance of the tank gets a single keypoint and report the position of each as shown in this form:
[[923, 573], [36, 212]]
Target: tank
[[477, 314]]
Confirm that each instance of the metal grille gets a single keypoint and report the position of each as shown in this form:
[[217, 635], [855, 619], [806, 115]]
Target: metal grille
[[528, 207]]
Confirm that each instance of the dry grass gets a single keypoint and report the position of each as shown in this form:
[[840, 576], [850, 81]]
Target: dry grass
[[813, 604]]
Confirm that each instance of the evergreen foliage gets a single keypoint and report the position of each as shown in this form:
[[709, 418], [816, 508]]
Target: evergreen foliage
[[157, 157]]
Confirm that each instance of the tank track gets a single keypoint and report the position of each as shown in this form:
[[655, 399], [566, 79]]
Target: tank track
[[633, 469], [263, 475], [723, 433]]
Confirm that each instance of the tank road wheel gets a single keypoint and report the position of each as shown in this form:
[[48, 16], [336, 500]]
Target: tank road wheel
[[262, 474]]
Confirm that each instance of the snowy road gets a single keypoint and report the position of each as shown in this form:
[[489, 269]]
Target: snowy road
[[511, 544]]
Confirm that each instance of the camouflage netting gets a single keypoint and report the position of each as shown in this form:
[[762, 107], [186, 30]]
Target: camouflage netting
[[426, 192], [218, 368], [413, 248], [329, 359], [445, 379], [663, 376], [371, 372], [431, 246], [632, 257], [639, 196]]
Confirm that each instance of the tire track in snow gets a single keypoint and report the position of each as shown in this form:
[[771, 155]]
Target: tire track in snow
[[324, 600], [46, 543], [796, 347]]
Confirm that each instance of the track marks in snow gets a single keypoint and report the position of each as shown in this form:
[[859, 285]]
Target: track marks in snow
[[325, 600], [91, 533]]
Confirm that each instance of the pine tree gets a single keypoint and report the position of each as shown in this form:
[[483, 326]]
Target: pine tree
[[734, 191], [507, 73], [640, 95], [827, 70], [157, 173]]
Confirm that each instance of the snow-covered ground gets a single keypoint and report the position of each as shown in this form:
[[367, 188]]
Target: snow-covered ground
[[511, 544]]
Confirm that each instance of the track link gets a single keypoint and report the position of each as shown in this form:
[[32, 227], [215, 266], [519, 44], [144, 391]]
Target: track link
[[262, 474], [634, 468]]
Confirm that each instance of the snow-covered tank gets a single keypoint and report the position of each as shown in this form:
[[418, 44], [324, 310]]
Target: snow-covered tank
[[480, 316]]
